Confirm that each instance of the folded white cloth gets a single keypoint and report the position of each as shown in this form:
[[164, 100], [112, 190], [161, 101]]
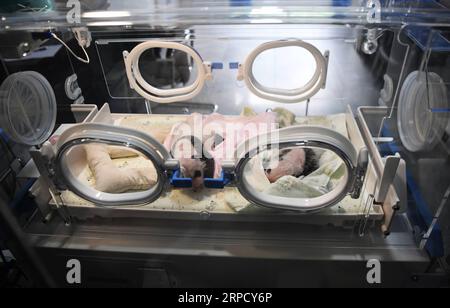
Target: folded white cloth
[[111, 179]]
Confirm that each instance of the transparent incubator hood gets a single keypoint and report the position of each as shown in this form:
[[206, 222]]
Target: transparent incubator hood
[[358, 92], [45, 14]]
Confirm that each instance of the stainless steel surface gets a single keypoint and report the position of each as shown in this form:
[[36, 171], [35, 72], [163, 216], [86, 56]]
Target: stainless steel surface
[[389, 174], [29, 171], [227, 239], [214, 254], [389, 208], [368, 136], [84, 112], [41, 157], [183, 108]]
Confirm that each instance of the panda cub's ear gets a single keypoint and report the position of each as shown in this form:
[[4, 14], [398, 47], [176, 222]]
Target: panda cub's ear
[[311, 162]]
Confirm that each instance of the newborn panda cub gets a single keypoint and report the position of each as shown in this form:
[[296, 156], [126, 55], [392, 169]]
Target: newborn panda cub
[[193, 168], [295, 162]]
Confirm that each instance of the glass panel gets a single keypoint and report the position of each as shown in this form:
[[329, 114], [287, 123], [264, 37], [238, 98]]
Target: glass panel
[[162, 68], [284, 68], [227, 47], [41, 13], [167, 68], [414, 122], [113, 70]]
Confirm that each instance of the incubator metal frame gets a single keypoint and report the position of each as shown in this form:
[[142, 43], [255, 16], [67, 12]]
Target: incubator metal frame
[[359, 174], [359, 166]]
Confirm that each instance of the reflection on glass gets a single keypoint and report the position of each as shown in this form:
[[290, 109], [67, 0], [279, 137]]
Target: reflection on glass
[[167, 68], [284, 68], [295, 172], [161, 68], [111, 169]]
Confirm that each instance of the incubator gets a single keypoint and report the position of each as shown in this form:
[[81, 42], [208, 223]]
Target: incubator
[[230, 130]]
